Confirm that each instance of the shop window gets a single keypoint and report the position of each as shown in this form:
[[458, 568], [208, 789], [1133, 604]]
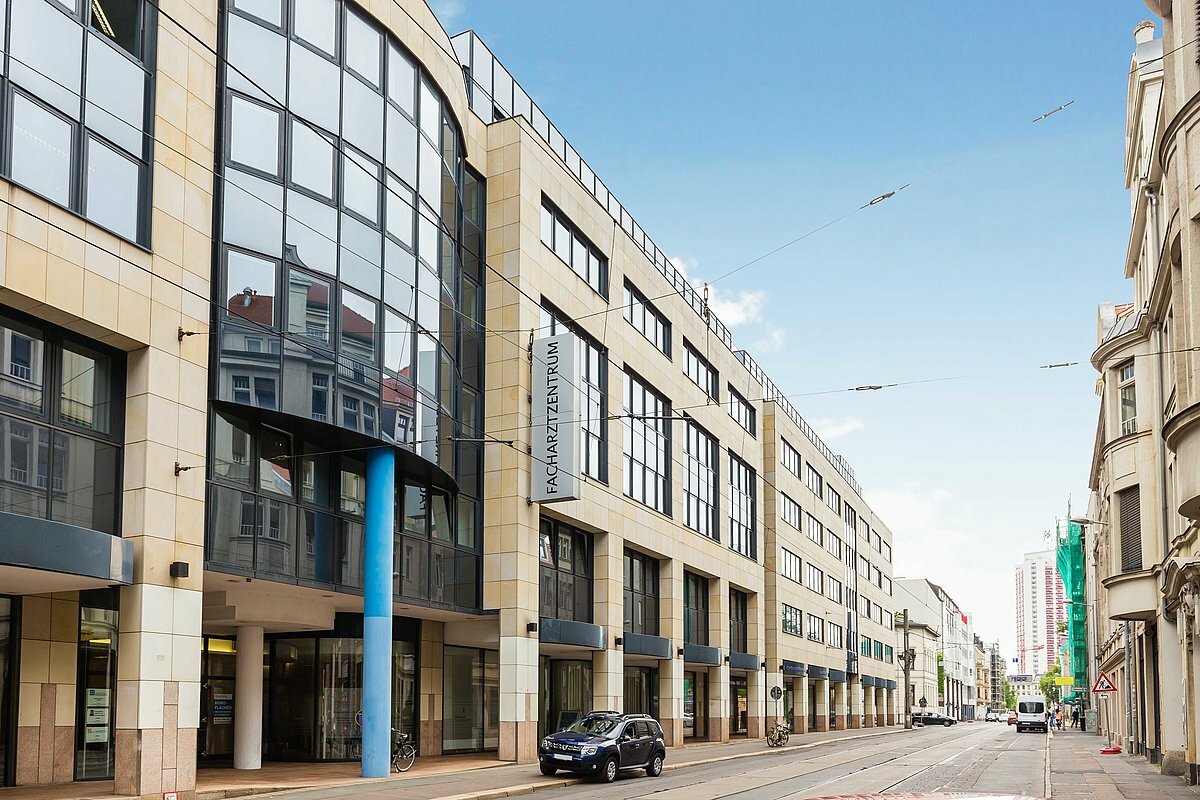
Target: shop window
[[470, 699]]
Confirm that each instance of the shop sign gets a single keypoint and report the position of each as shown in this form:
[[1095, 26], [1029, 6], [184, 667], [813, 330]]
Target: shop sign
[[555, 419]]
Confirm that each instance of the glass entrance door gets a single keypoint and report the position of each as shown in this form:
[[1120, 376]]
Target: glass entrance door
[[8, 635], [641, 691], [695, 704], [340, 667], [218, 668], [789, 704], [739, 706], [95, 717], [812, 706]]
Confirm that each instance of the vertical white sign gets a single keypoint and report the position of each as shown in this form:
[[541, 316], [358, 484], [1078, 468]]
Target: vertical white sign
[[555, 419]]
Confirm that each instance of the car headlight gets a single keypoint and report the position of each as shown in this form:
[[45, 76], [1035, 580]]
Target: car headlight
[[545, 744], [589, 751]]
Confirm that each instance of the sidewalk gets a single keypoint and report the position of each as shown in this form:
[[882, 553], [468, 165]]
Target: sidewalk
[[1079, 772]]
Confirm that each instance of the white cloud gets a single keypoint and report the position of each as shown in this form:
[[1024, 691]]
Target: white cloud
[[773, 342], [734, 310], [830, 429], [447, 11], [930, 542]]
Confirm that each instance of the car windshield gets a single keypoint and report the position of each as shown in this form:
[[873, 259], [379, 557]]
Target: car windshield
[[596, 726], [1031, 707]]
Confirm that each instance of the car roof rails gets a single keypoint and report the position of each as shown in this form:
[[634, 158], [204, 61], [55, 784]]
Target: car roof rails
[[603, 711]]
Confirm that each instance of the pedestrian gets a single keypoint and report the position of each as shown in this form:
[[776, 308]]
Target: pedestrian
[[1074, 717], [1058, 718]]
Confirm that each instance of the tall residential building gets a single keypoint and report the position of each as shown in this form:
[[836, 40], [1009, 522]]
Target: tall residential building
[[1039, 602], [276, 447]]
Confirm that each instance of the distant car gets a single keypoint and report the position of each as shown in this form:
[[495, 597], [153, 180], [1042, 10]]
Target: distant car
[[602, 744], [1012, 718], [934, 718], [991, 716]]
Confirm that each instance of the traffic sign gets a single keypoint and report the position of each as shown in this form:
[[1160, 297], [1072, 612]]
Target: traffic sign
[[776, 693], [1103, 684], [1064, 680]]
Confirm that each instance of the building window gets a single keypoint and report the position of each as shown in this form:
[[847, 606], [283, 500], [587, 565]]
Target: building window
[[1127, 398], [743, 493], [888, 653], [864, 646], [814, 529], [834, 501], [1129, 513], [573, 248], [742, 412], [790, 510], [702, 373], [833, 544], [647, 445], [864, 567], [648, 320], [593, 394], [701, 487], [565, 554], [850, 517], [79, 134], [833, 589], [791, 565], [790, 620], [887, 553], [836, 637], [695, 609], [816, 628], [814, 578], [738, 621], [790, 458], [814, 481], [641, 593], [877, 649]]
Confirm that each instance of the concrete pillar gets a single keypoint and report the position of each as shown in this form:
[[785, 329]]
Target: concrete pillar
[[855, 702], [1170, 680], [881, 707], [840, 706], [801, 710], [719, 708], [756, 682], [822, 698], [773, 677], [430, 707], [248, 699], [670, 671], [608, 596], [868, 706], [519, 686], [378, 548]]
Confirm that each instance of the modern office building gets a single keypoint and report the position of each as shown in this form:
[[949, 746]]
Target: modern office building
[[1039, 602], [395, 409]]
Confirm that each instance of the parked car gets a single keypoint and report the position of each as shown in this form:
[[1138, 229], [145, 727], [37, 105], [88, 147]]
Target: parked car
[[1012, 718], [603, 744], [992, 716], [933, 718]]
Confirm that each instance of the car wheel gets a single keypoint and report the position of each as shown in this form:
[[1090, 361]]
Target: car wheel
[[548, 769], [654, 768], [947, 723], [608, 773]]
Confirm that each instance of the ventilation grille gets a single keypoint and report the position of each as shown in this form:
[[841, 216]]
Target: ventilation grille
[[1129, 505]]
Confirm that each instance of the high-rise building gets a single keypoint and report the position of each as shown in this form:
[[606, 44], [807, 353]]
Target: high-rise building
[[1039, 599]]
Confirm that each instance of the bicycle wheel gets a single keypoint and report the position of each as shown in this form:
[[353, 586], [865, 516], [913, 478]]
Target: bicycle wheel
[[405, 757], [783, 737]]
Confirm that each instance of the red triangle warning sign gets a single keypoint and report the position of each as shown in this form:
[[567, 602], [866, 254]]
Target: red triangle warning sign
[[1103, 684]]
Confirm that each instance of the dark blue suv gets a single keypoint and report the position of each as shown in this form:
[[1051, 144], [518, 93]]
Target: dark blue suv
[[602, 744]]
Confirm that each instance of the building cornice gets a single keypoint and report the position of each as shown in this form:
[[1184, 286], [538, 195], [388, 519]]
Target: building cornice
[[1115, 348]]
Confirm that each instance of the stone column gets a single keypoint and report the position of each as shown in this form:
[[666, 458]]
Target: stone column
[[773, 677], [378, 548], [670, 670], [430, 702], [248, 699], [608, 595], [868, 693], [822, 698], [840, 707], [45, 744], [718, 677], [1170, 660], [519, 687], [801, 710], [854, 702], [756, 688]]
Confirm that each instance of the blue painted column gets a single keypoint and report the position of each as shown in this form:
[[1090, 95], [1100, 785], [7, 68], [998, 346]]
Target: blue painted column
[[377, 613]]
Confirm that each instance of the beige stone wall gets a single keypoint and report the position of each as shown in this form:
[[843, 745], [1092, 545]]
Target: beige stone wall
[[45, 746]]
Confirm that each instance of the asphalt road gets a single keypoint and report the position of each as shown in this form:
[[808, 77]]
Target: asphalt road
[[977, 757]]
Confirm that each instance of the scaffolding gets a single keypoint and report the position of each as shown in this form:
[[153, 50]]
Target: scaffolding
[[1069, 557]]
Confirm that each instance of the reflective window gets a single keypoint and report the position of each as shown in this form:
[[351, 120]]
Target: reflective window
[[647, 445], [402, 80], [41, 150], [250, 285], [274, 462], [397, 344], [47, 53], [254, 135], [358, 326], [364, 48], [402, 147], [308, 308], [311, 233], [316, 88], [257, 58], [316, 22], [86, 391], [116, 90], [360, 185], [253, 215], [113, 188], [266, 10], [362, 116], [230, 449], [312, 159], [120, 21], [24, 361]]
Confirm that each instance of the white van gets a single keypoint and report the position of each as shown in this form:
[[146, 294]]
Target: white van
[[1031, 713]]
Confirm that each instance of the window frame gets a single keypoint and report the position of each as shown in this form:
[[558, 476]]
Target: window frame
[[649, 593], [742, 412], [661, 427], [701, 371], [743, 502], [693, 502], [558, 217]]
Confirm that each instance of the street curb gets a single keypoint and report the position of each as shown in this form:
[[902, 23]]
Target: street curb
[[523, 789], [1047, 785]]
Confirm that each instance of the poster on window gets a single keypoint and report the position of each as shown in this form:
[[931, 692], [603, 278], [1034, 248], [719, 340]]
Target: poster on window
[[95, 734], [222, 709], [555, 419]]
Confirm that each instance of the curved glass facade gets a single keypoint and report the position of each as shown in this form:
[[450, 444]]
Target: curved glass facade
[[348, 275]]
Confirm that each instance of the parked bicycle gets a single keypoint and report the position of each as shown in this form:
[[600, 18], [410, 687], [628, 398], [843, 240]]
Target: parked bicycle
[[778, 735], [403, 754]]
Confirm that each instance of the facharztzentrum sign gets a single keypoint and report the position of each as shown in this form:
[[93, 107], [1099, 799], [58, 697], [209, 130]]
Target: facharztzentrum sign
[[555, 419]]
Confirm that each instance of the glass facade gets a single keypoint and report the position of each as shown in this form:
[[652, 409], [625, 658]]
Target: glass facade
[[61, 430], [641, 691], [77, 82], [349, 278], [566, 693], [470, 699], [96, 706]]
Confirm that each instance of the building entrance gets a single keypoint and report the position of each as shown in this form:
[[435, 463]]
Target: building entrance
[[217, 672], [695, 705], [566, 693], [739, 706]]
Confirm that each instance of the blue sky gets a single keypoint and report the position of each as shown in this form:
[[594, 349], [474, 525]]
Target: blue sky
[[732, 128]]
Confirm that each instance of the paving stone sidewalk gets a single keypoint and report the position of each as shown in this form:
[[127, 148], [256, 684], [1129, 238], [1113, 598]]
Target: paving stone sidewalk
[[1079, 772]]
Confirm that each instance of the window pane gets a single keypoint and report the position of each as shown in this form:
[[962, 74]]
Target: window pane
[[47, 51], [231, 449], [358, 326], [23, 355], [85, 396], [254, 135], [360, 186], [316, 23], [258, 54], [308, 308], [397, 344], [116, 89], [311, 233], [41, 150], [362, 116], [360, 255], [113, 183], [250, 287], [274, 462], [363, 48], [266, 10], [253, 216], [431, 113], [24, 479], [316, 88], [312, 159], [400, 211], [440, 518], [84, 483], [402, 147], [353, 487], [402, 80], [120, 21]]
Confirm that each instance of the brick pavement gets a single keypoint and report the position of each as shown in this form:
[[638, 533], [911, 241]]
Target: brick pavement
[[1079, 772]]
